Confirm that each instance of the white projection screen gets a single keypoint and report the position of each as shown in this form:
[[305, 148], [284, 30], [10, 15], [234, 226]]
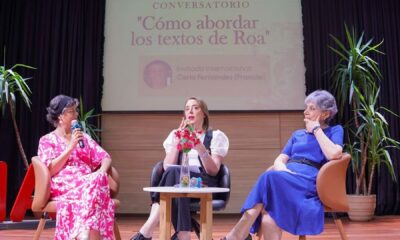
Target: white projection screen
[[236, 55]]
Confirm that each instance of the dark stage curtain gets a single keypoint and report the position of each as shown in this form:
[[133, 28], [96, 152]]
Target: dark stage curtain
[[64, 41], [379, 20]]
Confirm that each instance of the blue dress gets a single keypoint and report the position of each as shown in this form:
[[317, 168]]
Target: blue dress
[[291, 199]]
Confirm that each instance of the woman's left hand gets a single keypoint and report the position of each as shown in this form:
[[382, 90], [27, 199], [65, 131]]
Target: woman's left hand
[[101, 170], [200, 147], [311, 124]]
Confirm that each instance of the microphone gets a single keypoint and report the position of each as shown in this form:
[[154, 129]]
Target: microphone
[[75, 125]]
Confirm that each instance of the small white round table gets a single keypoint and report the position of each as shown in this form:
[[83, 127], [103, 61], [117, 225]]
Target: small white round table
[[205, 195]]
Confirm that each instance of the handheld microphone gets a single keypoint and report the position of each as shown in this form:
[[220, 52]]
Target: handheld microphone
[[75, 125]]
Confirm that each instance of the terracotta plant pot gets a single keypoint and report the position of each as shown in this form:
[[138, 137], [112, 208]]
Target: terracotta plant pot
[[362, 207]]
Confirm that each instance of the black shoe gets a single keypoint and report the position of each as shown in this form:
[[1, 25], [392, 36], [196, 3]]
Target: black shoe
[[247, 238], [175, 236], [139, 236]]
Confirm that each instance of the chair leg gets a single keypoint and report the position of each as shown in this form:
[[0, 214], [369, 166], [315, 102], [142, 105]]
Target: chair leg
[[339, 226], [196, 227], [117, 234], [40, 227], [302, 237]]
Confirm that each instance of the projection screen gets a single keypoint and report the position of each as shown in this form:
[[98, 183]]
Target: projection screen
[[236, 55]]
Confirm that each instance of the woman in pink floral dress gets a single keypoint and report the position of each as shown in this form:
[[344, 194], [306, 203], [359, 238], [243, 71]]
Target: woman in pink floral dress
[[79, 176]]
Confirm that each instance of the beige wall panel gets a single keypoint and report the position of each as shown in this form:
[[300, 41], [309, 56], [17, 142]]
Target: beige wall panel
[[134, 168], [137, 131], [249, 130], [288, 123], [135, 144]]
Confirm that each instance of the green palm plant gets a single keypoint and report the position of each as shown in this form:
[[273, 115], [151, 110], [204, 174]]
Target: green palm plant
[[84, 120], [356, 81], [373, 136], [355, 68], [12, 85]]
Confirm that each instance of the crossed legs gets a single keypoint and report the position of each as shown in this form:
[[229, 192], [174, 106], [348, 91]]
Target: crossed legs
[[268, 228], [152, 221]]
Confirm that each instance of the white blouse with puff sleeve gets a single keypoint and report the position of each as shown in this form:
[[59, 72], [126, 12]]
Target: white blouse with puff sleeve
[[219, 145]]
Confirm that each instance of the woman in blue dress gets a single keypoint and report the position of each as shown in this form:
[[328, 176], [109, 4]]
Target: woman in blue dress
[[285, 198]]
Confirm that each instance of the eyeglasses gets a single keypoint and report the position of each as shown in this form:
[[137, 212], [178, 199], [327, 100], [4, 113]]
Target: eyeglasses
[[69, 110]]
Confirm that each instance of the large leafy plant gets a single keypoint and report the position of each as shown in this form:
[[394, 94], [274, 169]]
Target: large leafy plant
[[84, 119], [12, 86], [356, 81]]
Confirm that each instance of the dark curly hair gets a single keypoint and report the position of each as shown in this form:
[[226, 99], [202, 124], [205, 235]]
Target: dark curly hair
[[57, 106]]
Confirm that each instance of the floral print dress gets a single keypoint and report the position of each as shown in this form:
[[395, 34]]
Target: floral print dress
[[83, 195]]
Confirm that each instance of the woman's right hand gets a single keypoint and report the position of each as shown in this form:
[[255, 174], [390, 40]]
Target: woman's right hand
[[184, 123], [279, 166], [280, 163], [75, 137], [181, 126]]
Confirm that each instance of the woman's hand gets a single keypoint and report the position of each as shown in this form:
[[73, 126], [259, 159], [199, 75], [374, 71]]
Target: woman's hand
[[184, 123], [200, 148], [312, 124], [105, 165], [101, 170], [181, 126], [75, 137], [280, 163], [330, 149]]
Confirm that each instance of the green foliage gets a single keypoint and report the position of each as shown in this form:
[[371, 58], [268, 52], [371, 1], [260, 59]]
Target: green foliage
[[13, 85], [84, 118], [356, 80], [355, 67]]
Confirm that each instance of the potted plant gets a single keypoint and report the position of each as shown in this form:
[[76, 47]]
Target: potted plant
[[84, 120], [356, 81], [12, 85]]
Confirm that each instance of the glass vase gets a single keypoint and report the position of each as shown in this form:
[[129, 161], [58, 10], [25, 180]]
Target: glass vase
[[184, 177]]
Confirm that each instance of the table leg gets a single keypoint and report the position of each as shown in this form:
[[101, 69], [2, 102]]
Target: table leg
[[165, 216], [206, 217]]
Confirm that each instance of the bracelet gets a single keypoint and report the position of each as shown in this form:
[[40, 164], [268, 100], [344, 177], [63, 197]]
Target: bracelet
[[315, 129], [204, 154]]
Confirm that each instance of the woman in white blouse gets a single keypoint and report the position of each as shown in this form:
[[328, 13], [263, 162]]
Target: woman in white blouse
[[207, 156]]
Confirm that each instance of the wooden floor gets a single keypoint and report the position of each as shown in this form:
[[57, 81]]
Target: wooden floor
[[387, 227]]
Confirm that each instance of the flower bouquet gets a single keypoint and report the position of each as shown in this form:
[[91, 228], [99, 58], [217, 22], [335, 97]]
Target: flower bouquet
[[187, 139]]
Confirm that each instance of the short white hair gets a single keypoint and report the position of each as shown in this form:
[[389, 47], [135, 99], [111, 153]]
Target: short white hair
[[325, 101]]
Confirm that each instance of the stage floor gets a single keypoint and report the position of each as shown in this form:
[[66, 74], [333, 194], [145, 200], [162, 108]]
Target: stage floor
[[385, 227]]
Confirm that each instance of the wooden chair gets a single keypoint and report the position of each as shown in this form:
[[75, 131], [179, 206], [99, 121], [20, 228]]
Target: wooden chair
[[42, 203], [331, 189]]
